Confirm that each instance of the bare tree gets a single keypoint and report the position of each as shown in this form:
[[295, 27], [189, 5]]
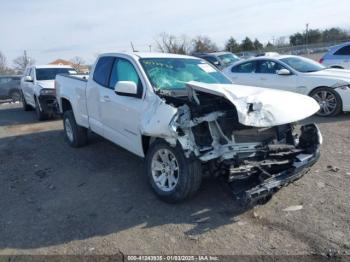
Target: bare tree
[[172, 44], [204, 44], [4, 69], [281, 41], [22, 62], [3, 63], [77, 63]]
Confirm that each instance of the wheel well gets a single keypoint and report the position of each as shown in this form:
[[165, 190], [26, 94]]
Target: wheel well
[[339, 67], [66, 105], [146, 143], [309, 94]]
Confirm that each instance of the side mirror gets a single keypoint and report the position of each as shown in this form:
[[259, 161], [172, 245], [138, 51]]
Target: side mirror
[[283, 72], [125, 88], [28, 79]]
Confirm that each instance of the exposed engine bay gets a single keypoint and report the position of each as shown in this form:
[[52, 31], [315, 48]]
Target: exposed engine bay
[[207, 127]]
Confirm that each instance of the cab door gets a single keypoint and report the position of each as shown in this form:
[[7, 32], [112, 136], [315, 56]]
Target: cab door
[[95, 92], [121, 114]]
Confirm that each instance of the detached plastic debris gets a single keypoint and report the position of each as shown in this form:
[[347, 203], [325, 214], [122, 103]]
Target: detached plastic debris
[[293, 208], [333, 168]]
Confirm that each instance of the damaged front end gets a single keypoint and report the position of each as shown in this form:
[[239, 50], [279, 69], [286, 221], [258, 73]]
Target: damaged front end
[[255, 160]]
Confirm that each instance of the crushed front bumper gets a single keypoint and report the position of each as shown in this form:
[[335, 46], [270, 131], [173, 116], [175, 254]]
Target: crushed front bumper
[[250, 193]]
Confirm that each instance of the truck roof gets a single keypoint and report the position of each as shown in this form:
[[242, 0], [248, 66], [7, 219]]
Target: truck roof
[[149, 55]]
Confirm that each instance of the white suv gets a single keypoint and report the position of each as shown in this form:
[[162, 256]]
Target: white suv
[[38, 88]]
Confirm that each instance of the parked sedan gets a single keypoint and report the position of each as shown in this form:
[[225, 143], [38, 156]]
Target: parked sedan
[[9, 88], [330, 87]]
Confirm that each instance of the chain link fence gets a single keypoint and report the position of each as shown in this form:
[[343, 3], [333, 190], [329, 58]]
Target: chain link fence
[[313, 51]]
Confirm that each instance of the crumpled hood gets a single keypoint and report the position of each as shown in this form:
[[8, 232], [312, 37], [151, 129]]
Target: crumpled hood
[[262, 107], [49, 84], [336, 74]]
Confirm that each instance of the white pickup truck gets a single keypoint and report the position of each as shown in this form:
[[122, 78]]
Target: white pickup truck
[[187, 119], [38, 90]]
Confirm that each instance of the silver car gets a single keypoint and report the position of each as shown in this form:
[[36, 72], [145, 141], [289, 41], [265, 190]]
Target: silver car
[[337, 57]]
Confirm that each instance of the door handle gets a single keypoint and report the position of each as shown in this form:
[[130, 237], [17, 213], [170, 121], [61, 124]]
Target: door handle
[[262, 78], [106, 99]]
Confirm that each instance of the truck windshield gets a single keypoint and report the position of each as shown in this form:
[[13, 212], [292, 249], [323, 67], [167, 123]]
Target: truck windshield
[[50, 73], [174, 73]]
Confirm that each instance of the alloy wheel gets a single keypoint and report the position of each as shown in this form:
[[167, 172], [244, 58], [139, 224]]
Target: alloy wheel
[[327, 102], [165, 170]]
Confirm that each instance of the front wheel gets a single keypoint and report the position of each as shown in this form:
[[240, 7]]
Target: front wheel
[[329, 101], [172, 176]]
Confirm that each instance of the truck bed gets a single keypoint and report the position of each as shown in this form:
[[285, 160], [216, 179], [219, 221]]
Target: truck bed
[[73, 88]]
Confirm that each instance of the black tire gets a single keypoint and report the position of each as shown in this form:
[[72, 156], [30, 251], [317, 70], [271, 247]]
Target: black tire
[[25, 106], [189, 174], [79, 136], [41, 116], [316, 94], [15, 96]]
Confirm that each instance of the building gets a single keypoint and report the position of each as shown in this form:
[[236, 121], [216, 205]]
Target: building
[[83, 69]]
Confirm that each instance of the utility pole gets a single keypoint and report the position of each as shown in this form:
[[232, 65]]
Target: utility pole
[[150, 48], [307, 37], [26, 62]]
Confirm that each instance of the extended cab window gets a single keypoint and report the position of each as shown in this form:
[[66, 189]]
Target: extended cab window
[[248, 67], [103, 70]]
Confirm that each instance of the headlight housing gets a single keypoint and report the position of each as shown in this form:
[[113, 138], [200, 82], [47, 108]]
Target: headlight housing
[[47, 92]]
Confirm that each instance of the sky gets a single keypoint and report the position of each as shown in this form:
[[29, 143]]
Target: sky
[[51, 29]]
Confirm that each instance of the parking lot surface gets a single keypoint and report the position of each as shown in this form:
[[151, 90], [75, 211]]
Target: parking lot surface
[[96, 200]]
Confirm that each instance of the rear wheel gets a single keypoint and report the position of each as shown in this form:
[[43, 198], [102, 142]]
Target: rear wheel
[[172, 176], [75, 135], [329, 101], [40, 114]]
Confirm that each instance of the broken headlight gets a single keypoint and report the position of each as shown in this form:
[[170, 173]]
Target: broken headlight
[[254, 107]]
